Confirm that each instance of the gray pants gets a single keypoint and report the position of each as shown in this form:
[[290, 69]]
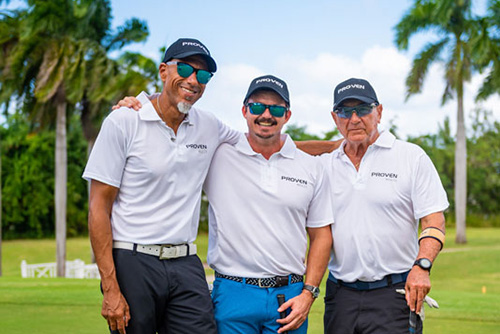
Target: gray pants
[[164, 296]]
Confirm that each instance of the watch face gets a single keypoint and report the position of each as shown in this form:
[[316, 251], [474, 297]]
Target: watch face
[[425, 263]]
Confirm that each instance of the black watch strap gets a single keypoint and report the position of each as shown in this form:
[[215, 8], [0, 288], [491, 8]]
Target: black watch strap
[[314, 290]]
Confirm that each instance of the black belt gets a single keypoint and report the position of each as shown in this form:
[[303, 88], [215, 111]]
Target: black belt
[[268, 282], [382, 283]]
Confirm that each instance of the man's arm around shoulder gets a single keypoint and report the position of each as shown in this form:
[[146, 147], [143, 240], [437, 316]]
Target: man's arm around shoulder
[[114, 306], [318, 147]]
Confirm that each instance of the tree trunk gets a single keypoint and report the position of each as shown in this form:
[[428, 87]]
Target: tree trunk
[[61, 183], [0, 207], [460, 172], [90, 144]]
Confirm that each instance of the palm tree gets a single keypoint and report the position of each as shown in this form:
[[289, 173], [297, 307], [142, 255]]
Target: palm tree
[[487, 47], [47, 67], [58, 58], [453, 23]]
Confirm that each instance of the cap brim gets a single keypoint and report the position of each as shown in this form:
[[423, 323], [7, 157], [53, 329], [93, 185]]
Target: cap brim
[[355, 97], [249, 93], [212, 66]]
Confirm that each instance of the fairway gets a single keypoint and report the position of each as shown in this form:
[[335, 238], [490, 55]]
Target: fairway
[[466, 283]]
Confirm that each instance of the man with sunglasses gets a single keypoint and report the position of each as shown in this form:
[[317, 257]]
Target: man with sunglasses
[[382, 188], [146, 171], [265, 197]]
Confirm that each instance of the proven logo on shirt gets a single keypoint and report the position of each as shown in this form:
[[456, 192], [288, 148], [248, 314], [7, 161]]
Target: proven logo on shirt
[[297, 181], [202, 148], [387, 176]]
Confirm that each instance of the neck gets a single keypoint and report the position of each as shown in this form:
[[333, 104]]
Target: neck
[[170, 115], [265, 146], [356, 150]]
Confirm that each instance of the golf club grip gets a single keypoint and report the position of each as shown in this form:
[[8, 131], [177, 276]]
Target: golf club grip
[[281, 300], [413, 322]]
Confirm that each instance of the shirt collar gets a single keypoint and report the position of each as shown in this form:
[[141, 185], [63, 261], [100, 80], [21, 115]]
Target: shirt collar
[[384, 140], [288, 149], [148, 111]]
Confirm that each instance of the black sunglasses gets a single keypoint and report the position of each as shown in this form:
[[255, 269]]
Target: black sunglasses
[[361, 110]]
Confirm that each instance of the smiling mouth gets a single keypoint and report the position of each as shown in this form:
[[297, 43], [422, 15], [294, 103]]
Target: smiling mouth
[[265, 122]]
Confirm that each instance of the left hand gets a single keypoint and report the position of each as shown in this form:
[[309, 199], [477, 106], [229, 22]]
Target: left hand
[[418, 285], [300, 306]]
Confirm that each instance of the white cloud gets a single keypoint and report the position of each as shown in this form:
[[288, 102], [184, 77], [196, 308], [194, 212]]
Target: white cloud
[[311, 83]]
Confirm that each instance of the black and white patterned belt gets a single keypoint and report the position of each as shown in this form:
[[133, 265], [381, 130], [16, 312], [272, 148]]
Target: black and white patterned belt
[[268, 282]]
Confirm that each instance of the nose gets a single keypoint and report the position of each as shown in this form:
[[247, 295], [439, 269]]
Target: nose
[[354, 117], [192, 79], [267, 113]]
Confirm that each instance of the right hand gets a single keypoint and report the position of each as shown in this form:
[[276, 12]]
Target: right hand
[[116, 311], [129, 102]]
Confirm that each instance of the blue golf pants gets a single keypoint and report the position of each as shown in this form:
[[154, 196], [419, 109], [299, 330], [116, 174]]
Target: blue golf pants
[[241, 308]]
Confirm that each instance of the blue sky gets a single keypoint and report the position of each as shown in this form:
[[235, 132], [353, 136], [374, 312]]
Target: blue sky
[[312, 45]]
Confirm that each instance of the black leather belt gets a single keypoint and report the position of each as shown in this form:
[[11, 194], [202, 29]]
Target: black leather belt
[[268, 282], [360, 285]]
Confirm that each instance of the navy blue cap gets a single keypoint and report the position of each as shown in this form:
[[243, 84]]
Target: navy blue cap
[[185, 47], [269, 82], [358, 89]]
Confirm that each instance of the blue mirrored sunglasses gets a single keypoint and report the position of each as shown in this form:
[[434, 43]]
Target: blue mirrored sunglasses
[[259, 108], [185, 70], [361, 110]]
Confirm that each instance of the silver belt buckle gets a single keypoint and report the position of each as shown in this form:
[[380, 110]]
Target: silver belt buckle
[[263, 286], [168, 252]]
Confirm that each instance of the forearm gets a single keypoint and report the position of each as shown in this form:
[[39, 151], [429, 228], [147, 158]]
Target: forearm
[[101, 201], [317, 147], [319, 253], [101, 240], [429, 247]]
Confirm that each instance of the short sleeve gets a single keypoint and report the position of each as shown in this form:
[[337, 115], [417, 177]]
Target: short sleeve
[[320, 211], [227, 134], [428, 193], [108, 157]]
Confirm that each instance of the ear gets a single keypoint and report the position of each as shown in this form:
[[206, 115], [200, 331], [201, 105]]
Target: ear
[[380, 108], [162, 70], [288, 114], [335, 117], [244, 111]]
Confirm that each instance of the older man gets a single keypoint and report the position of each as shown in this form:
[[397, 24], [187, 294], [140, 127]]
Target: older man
[[146, 170], [382, 188]]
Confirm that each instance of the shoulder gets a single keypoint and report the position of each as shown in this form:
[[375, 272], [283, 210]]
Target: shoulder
[[123, 115], [409, 148]]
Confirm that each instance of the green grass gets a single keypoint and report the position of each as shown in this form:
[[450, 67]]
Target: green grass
[[465, 278]]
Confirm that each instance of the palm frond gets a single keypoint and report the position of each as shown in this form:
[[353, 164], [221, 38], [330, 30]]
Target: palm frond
[[421, 64]]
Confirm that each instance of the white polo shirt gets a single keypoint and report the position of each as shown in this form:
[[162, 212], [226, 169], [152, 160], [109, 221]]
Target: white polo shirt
[[160, 174], [259, 209], [376, 210]]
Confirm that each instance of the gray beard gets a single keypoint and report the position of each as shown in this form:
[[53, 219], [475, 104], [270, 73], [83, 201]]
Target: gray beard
[[184, 107]]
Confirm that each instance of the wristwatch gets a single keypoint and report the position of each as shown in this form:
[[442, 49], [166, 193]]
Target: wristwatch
[[314, 290], [424, 263]]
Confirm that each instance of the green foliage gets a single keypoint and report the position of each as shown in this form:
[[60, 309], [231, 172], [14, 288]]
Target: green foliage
[[297, 132], [483, 166], [28, 180]]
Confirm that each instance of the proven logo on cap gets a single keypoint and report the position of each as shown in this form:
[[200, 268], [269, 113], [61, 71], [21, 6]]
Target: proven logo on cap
[[196, 44], [269, 82], [355, 89], [358, 86]]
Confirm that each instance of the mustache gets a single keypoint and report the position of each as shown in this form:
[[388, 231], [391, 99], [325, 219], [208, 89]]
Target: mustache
[[265, 120]]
